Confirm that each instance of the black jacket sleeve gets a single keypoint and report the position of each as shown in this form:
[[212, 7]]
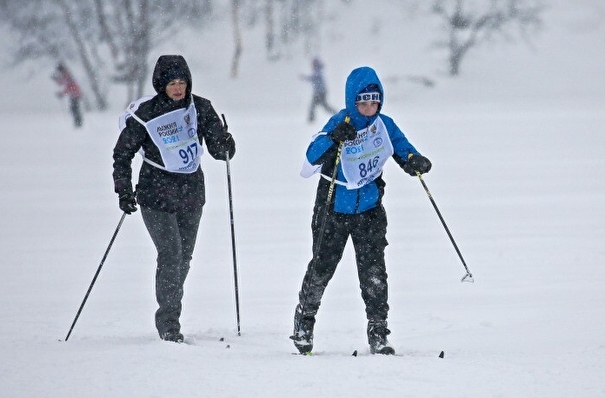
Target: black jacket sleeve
[[129, 142], [211, 129]]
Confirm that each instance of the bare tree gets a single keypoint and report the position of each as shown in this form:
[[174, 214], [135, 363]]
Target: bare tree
[[132, 28], [468, 24], [286, 23], [129, 39], [237, 37], [300, 19], [269, 28], [81, 47], [111, 40]]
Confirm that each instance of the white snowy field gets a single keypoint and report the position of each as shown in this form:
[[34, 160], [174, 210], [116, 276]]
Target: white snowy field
[[518, 150]]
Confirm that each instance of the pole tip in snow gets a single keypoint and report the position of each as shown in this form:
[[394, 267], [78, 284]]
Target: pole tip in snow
[[442, 354], [468, 278]]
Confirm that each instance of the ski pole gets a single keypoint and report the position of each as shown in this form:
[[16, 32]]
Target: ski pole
[[94, 279], [232, 224], [323, 224], [468, 277]]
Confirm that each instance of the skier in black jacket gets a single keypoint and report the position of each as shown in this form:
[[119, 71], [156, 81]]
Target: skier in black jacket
[[169, 130]]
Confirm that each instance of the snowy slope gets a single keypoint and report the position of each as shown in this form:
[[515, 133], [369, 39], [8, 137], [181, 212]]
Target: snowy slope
[[517, 144]]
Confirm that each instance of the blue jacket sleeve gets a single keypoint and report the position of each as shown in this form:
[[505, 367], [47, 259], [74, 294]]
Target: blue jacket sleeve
[[318, 148], [401, 146], [322, 144]]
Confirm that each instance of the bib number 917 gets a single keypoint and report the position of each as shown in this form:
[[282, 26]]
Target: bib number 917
[[188, 154]]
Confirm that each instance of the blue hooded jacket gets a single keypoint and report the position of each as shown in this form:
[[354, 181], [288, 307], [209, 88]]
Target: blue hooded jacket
[[322, 151]]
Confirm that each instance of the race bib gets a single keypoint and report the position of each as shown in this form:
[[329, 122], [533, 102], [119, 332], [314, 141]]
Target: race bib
[[175, 136], [130, 110], [363, 158]]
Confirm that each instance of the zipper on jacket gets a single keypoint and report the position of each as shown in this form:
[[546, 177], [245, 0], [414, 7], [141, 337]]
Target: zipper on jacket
[[358, 199]]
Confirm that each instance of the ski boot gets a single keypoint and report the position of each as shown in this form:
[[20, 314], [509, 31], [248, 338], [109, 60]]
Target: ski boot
[[172, 335], [303, 331], [377, 338]]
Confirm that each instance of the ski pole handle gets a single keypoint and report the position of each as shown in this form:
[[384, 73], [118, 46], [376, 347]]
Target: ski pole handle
[[225, 122]]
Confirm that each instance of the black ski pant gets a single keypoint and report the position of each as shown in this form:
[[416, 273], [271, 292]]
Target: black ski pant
[[174, 236], [74, 108], [368, 233]]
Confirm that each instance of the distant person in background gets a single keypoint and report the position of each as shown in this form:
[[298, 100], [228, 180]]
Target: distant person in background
[[170, 128], [368, 139], [70, 88], [319, 88]]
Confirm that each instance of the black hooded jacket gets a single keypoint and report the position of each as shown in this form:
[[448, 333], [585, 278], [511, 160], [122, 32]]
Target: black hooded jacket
[[159, 189]]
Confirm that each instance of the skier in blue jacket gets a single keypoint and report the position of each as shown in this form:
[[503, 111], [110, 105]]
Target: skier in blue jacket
[[320, 91], [368, 139]]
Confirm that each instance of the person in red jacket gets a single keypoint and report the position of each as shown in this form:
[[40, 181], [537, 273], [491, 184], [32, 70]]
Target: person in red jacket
[[71, 89]]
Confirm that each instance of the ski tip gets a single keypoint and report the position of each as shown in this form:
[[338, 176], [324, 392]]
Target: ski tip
[[442, 354]]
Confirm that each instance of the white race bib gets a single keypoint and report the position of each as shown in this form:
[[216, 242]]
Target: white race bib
[[132, 107], [363, 158], [175, 136]]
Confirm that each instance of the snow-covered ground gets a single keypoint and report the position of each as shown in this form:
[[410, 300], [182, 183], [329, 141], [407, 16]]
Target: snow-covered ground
[[518, 148]]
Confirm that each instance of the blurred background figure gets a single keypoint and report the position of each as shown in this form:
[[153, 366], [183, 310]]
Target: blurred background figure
[[319, 88], [69, 87]]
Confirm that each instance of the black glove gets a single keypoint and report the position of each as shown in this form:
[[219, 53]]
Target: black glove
[[344, 132], [229, 146], [417, 163], [128, 204], [224, 143]]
